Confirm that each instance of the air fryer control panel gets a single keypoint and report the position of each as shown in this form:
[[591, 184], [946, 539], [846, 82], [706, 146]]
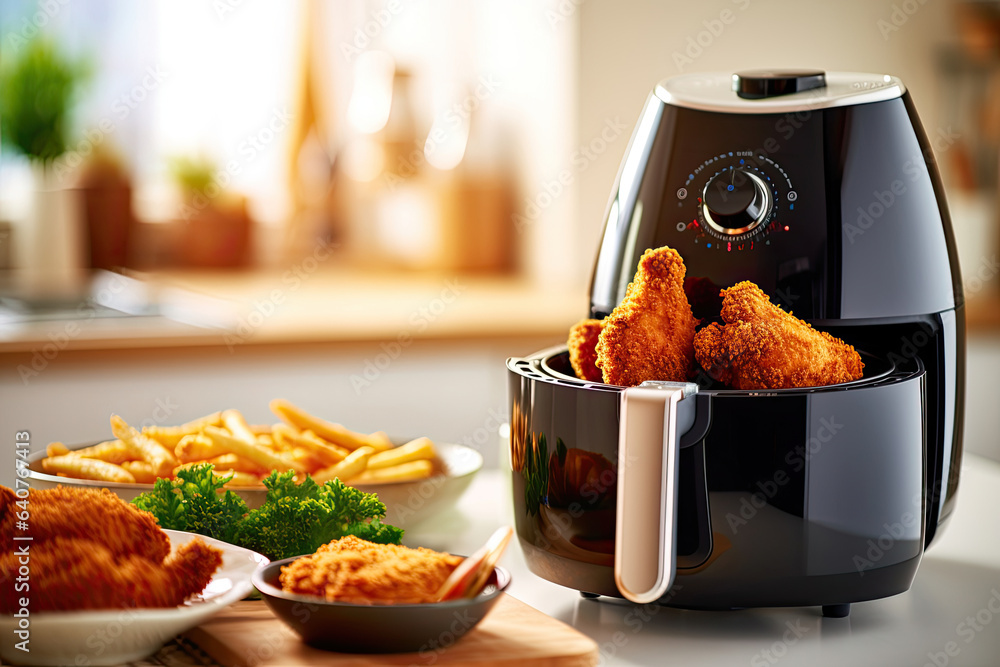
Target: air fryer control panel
[[738, 200], [744, 200]]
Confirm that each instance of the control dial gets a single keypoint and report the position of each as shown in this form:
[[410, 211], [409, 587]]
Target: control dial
[[735, 202]]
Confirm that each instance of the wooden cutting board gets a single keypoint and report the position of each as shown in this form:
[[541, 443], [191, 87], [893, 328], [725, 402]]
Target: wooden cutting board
[[248, 634]]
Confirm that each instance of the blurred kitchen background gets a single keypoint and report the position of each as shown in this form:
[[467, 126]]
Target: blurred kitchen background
[[366, 206]]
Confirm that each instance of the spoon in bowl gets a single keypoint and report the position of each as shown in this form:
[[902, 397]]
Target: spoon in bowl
[[470, 577]]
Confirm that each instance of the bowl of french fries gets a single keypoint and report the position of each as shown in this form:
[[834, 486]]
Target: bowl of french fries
[[415, 479]]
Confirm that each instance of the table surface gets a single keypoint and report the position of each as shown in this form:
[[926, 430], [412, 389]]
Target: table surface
[[953, 605], [216, 309]]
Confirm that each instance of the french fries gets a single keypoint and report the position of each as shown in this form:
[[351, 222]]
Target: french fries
[[301, 442], [415, 450], [81, 468], [237, 463], [197, 447], [112, 451], [142, 471], [404, 472], [349, 468], [327, 453], [335, 433], [238, 427], [56, 449], [252, 451], [144, 447], [169, 436]]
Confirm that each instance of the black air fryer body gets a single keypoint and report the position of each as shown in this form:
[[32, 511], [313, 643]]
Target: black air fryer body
[[829, 199]]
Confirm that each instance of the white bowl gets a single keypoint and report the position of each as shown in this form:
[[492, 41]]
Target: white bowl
[[407, 503], [117, 636]]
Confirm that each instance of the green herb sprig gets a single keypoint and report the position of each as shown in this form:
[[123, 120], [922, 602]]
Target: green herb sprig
[[295, 519]]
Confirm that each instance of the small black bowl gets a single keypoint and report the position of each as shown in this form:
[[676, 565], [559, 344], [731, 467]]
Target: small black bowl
[[376, 628]]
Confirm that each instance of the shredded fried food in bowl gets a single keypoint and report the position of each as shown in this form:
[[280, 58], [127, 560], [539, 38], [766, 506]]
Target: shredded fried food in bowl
[[356, 571]]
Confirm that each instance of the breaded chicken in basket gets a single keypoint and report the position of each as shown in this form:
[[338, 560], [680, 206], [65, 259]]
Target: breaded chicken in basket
[[760, 346], [650, 335], [582, 349]]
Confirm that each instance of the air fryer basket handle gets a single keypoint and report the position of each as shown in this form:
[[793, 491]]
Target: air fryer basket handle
[[654, 415]]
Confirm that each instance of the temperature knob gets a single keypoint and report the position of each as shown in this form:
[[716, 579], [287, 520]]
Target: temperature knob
[[735, 202]]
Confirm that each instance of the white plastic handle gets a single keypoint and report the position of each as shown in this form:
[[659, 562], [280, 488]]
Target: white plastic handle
[[646, 519]]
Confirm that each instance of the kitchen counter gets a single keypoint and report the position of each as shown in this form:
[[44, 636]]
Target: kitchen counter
[[950, 616], [185, 309]]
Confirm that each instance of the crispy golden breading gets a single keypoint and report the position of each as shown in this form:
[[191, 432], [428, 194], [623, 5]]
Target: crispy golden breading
[[763, 347], [96, 515], [354, 570], [582, 353], [650, 335], [89, 549], [72, 574]]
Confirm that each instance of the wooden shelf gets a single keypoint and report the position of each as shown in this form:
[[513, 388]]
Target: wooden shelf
[[281, 308]]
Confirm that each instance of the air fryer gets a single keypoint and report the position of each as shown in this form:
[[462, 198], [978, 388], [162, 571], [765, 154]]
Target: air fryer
[[822, 189]]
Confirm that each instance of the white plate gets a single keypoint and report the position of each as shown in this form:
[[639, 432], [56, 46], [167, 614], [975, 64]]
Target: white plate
[[407, 503], [117, 636]]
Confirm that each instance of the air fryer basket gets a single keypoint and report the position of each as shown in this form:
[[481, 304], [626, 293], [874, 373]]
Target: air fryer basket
[[780, 493]]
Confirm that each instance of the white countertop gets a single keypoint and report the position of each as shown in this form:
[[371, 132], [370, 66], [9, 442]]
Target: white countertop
[[958, 581]]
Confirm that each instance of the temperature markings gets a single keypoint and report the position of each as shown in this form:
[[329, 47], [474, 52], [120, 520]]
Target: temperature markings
[[780, 170]]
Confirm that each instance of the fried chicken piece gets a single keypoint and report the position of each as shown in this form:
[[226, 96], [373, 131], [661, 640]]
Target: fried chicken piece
[[354, 570], [760, 346], [70, 573], [582, 353], [650, 335], [91, 514]]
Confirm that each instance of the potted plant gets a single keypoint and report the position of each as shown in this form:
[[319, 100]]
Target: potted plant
[[37, 86], [106, 199], [215, 227]]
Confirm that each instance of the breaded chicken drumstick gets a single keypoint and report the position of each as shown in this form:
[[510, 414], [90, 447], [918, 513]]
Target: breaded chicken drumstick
[[649, 336], [763, 347]]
